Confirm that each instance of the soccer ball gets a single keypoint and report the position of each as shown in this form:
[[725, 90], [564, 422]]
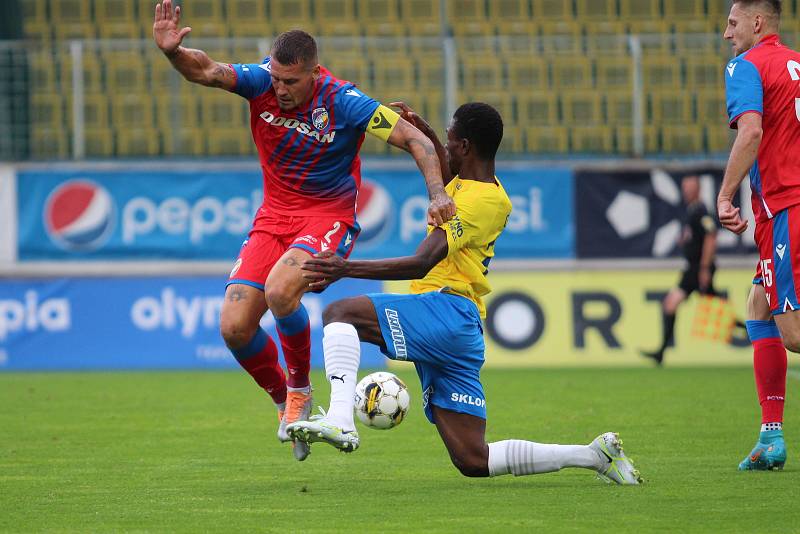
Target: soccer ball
[[381, 400]]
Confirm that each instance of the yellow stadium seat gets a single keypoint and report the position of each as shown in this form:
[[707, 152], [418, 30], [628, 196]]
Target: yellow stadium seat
[[521, 37], [512, 142], [125, 72], [92, 73], [41, 72], [34, 11], [99, 142], [503, 102], [377, 11], [48, 143], [182, 141], [119, 12], [614, 72], [670, 107], [571, 72], [47, 110], [475, 37], [229, 141], [117, 30], [132, 111], [527, 73], [606, 38], [137, 142], [327, 11], [433, 110], [591, 10], [718, 9], [539, 108], [420, 11], [201, 11], [655, 36], [510, 10], [623, 136], [339, 38], [426, 37], [696, 36], [386, 38], [712, 106], [547, 140], [352, 68], [431, 71], [286, 14], [247, 52], [162, 74], [661, 72], [561, 38], [465, 11], [394, 72], [246, 12], [95, 111], [719, 139], [39, 32], [551, 10], [481, 73], [592, 139], [682, 139], [684, 9], [619, 107], [704, 72], [74, 30], [640, 9], [70, 11], [221, 110], [178, 110], [581, 107]]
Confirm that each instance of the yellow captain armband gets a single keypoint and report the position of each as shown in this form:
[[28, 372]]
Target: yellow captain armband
[[382, 122]]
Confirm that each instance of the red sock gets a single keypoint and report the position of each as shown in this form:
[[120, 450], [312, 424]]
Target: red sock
[[769, 366], [294, 331], [260, 359]]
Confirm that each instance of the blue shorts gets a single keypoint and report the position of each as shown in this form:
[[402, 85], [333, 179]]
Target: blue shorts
[[442, 334]]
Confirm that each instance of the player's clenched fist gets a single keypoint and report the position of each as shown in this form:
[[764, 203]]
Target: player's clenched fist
[[441, 209], [729, 217], [166, 28]]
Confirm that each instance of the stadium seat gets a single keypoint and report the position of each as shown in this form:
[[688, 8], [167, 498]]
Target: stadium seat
[[74, 30], [120, 30], [509, 10], [162, 74], [394, 72], [34, 11], [39, 32], [670, 107], [229, 141], [254, 30], [137, 142], [697, 36], [547, 140], [326, 11], [47, 111], [92, 72], [70, 11], [537, 108], [619, 107], [339, 38], [503, 102], [246, 12], [654, 35], [475, 38], [551, 10], [571, 73], [606, 38], [183, 141], [684, 9], [125, 72], [527, 74], [561, 38], [480, 73], [99, 142], [459, 11], [682, 139], [352, 68], [640, 9], [48, 143], [592, 139], [661, 71], [623, 137], [614, 72], [596, 10], [513, 142], [386, 38], [378, 11], [42, 72], [132, 111], [718, 139], [220, 110], [581, 107], [704, 71], [177, 110], [120, 12], [95, 111], [718, 9], [414, 12], [519, 38], [430, 72], [286, 14], [712, 106], [426, 37]]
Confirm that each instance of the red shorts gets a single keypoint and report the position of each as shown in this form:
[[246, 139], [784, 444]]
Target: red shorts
[[778, 270], [273, 234]]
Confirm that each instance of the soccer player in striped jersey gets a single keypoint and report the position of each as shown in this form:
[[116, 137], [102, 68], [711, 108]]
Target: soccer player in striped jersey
[[763, 93], [308, 127], [438, 326]]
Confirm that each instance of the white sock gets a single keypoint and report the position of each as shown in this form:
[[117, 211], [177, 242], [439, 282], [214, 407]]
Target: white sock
[[528, 458], [766, 427], [342, 350]]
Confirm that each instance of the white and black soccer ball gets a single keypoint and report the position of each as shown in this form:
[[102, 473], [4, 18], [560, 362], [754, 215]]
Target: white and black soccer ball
[[382, 400]]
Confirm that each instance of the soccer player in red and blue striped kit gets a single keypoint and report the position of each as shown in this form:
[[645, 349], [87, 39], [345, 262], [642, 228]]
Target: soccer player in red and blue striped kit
[[763, 94], [308, 127]]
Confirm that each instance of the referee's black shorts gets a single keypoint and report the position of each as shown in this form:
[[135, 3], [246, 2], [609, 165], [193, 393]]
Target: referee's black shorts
[[690, 281]]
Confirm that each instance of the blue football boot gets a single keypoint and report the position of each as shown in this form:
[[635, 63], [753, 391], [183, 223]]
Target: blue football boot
[[769, 453]]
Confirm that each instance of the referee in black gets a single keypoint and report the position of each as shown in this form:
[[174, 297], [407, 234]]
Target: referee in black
[[699, 242]]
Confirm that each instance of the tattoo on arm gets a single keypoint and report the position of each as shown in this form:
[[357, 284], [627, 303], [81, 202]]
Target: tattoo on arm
[[426, 147], [220, 76]]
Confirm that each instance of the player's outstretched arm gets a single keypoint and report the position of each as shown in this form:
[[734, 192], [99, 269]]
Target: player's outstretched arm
[[325, 268], [743, 155], [194, 65], [422, 125]]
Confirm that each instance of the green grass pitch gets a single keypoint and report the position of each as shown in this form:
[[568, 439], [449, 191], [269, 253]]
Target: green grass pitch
[[196, 451]]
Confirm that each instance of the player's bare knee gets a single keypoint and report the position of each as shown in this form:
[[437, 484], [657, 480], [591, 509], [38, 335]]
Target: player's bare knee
[[235, 333], [471, 465], [791, 340], [281, 299]]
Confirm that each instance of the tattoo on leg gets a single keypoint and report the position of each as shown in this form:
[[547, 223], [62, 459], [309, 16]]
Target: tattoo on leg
[[236, 295], [290, 261]]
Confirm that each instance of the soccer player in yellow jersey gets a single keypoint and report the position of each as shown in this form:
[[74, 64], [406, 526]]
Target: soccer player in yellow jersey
[[438, 326]]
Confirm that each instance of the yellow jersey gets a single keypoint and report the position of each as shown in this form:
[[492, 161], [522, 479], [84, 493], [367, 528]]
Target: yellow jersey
[[482, 210]]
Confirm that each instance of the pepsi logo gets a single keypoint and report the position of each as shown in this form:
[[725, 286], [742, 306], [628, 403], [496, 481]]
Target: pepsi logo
[[373, 213], [79, 215]]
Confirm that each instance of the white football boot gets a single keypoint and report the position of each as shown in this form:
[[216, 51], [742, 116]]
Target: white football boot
[[320, 430], [616, 467]]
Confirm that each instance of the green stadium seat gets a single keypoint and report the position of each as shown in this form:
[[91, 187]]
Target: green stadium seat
[[623, 137], [519, 38], [581, 107], [619, 106], [394, 72], [669, 107], [137, 142], [547, 139], [459, 11], [603, 38], [377, 11], [712, 107], [509, 10], [571, 72], [183, 141], [551, 10], [99, 142], [561, 38], [527, 73], [70, 11], [48, 143], [481, 73], [704, 72], [126, 72], [661, 72], [596, 10], [537, 108], [682, 139], [592, 139], [132, 111], [640, 10], [614, 72], [684, 9], [718, 139]]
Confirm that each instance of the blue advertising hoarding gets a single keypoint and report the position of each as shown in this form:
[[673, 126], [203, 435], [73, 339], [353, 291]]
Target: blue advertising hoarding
[[136, 323], [196, 214]]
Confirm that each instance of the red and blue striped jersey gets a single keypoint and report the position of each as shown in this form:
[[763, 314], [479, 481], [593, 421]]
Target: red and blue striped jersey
[[309, 155], [766, 80]]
